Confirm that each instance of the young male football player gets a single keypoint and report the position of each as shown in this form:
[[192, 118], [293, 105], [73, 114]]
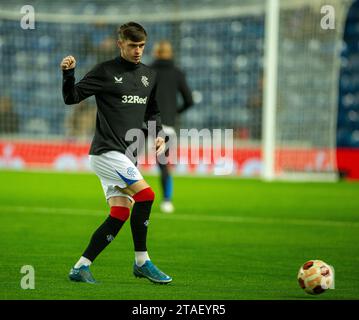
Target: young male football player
[[125, 96]]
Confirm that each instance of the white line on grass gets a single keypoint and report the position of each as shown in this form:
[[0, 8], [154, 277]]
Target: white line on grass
[[187, 217]]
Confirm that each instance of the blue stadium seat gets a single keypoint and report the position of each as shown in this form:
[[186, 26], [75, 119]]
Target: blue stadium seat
[[348, 104]]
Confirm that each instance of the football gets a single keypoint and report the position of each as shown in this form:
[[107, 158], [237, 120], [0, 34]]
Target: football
[[316, 277]]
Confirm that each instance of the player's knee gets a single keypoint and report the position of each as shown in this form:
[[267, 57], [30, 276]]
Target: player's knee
[[120, 213], [146, 194]]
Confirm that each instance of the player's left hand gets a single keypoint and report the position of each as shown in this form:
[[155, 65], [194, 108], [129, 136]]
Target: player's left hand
[[160, 145]]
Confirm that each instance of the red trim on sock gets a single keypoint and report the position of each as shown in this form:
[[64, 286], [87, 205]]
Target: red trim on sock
[[120, 213], [144, 195]]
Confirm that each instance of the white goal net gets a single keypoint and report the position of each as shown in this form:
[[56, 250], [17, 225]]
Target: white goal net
[[300, 130]]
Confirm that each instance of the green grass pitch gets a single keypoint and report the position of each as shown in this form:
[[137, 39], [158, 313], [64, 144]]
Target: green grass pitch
[[228, 239]]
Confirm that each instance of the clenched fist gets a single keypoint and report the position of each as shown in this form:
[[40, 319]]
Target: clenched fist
[[67, 63], [160, 145]]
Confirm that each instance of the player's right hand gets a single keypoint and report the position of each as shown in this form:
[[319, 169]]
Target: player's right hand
[[67, 63]]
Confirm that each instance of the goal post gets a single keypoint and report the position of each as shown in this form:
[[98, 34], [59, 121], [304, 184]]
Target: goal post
[[270, 88]]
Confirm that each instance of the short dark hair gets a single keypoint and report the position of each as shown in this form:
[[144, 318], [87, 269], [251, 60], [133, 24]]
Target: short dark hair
[[132, 31]]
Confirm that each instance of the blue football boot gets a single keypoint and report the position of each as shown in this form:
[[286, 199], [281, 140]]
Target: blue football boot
[[151, 272], [82, 274]]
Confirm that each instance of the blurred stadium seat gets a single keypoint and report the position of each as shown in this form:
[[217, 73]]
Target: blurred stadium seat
[[348, 111], [221, 54], [222, 59]]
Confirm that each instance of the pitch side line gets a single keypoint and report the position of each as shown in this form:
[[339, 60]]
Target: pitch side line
[[186, 217]]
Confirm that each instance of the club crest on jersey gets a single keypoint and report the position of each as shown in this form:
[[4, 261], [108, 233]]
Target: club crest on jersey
[[131, 172], [110, 237], [145, 82], [118, 80]]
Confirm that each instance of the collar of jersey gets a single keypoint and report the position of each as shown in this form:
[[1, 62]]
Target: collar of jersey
[[126, 63]]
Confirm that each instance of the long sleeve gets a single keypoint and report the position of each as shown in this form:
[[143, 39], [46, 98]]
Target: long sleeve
[[185, 92], [153, 112], [91, 83]]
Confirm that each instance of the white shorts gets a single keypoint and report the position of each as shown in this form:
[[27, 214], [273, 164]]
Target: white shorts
[[115, 171]]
